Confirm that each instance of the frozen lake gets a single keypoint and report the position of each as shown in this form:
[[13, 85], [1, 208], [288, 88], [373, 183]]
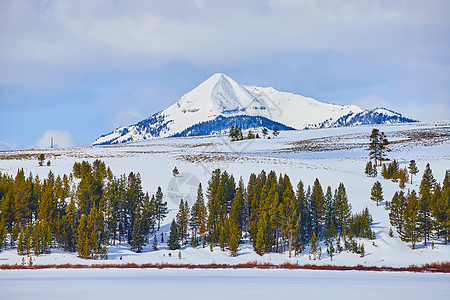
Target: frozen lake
[[219, 284]]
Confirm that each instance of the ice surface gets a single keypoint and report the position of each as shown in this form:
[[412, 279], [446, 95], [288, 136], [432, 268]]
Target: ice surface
[[219, 284]]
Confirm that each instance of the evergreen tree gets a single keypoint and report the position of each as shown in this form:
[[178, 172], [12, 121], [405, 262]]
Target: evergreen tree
[[441, 209], [173, 241], [198, 219], [314, 246], [402, 177], [155, 243], [265, 132], [411, 232], [378, 146], [397, 210], [84, 243], [20, 243], [413, 170], [175, 172], [330, 251], [317, 208], [183, 221], [138, 234], [368, 170], [148, 216], [41, 159], [330, 213], [3, 233], [262, 225], [235, 236], [376, 193], [393, 170], [14, 235], [425, 197], [161, 207], [69, 228], [275, 132], [288, 219]]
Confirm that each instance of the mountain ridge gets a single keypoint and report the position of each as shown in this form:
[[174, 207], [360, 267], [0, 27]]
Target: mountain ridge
[[211, 106]]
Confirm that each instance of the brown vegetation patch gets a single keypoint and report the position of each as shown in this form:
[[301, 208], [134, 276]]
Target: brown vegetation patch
[[439, 267]]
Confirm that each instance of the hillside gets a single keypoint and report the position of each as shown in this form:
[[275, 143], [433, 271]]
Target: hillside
[[332, 155]]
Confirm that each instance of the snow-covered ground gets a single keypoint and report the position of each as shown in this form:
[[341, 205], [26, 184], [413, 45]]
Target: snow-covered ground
[[219, 284], [332, 155]]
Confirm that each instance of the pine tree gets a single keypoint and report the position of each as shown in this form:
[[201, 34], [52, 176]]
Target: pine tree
[[374, 145], [314, 246], [3, 233], [173, 241], [330, 251], [155, 243], [20, 243], [235, 236], [397, 210], [288, 219], [275, 132], [161, 207], [83, 242], [369, 169], [441, 210], [183, 221], [413, 170], [138, 234], [317, 208], [403, 177], [41, 159], [412, 231], [265, 132], [263, 224], [425, 197], [378, 146], [376, 193], [393, 170], [175, 172]]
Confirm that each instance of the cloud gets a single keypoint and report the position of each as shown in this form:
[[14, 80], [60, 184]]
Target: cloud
[[86, 36], [61, 139], [7, 146]]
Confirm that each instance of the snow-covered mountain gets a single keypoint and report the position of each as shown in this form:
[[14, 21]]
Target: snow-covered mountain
[[220, 102]]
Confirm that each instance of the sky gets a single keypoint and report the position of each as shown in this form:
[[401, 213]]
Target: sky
[[75, 70]]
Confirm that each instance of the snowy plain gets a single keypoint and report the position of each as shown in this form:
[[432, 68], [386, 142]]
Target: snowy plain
[[332, 155]]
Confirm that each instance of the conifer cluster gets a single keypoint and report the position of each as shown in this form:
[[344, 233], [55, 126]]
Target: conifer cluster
[[270, 214], [82, 212], [395, 173], [422, 215]]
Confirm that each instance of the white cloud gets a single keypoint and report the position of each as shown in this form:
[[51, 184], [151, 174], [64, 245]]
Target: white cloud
[[7, 146], [61, 139], [87, 35]]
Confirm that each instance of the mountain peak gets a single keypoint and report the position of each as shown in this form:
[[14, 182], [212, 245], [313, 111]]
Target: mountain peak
[[219, 94], [220, 102]]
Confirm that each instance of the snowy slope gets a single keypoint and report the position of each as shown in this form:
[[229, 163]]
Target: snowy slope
[[333, 155], [220, 98]]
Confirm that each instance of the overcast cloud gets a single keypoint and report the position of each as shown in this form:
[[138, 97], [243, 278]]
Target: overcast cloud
[[89, 66]]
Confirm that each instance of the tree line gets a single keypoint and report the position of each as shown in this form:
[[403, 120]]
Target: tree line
[[84, 211], [422, 215], [90, 209], [271, 215]]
